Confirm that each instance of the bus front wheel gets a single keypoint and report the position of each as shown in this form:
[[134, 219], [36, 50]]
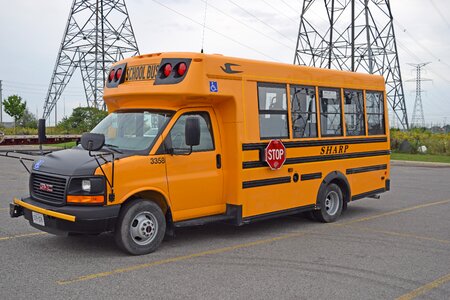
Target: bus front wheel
[[330, 204], [140, 228]]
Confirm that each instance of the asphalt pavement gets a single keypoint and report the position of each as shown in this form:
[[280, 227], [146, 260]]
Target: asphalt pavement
[[396, 246]]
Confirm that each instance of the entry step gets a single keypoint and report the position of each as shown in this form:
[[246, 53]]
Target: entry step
[[203, 221]]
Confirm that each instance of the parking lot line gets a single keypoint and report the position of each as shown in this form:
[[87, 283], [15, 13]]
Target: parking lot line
[[394, 212], [181, 258], [21, 235], [4, 209], [231, 248], [425, 288], [401, 234]]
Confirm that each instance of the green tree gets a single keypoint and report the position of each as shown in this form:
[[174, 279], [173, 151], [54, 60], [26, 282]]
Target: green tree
[[28, 120], [83, 119], [15, 108]]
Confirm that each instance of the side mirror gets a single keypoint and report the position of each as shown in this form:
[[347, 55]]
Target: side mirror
[[92, 141], [192, 131]]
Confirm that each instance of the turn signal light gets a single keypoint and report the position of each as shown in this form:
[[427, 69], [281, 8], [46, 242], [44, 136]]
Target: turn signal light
[[85, 199]]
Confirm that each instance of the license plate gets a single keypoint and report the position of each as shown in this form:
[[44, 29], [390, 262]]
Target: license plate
[[38, 218]]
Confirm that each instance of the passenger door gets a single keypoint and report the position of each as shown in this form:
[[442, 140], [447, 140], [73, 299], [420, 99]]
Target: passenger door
[[195, 179]]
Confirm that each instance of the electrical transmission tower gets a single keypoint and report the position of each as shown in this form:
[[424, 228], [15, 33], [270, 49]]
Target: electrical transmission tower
[[98, 33], [418, 119], [355, 35]]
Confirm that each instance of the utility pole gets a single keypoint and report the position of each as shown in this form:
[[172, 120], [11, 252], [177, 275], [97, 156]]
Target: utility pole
[[357, 36], [418, 119]]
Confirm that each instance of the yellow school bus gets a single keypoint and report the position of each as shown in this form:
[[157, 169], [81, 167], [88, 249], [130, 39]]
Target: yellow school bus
[[194, 138]]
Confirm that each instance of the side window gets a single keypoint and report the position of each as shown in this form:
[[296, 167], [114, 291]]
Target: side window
[[303, 108], [273, 112], [354, 112], [177, 138], [375, 112], [330, 112]]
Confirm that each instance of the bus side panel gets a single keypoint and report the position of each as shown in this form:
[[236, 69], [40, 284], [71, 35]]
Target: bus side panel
[[137, 173], [230, 117], [267, 191]]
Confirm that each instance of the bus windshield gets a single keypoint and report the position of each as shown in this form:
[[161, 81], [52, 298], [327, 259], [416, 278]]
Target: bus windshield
[[132, 130]]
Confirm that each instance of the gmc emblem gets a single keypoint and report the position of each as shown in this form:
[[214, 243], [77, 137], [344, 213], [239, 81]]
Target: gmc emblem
[[46, 187]]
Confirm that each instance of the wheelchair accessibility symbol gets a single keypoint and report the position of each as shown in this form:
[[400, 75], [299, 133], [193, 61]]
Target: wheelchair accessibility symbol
[[213, 87]]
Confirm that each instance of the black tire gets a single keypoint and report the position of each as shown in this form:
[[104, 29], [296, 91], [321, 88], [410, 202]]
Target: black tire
[[330, 204], [141, 227]]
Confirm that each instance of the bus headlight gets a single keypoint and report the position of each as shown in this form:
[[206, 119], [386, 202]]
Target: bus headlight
[[87, 190], [86, 185]]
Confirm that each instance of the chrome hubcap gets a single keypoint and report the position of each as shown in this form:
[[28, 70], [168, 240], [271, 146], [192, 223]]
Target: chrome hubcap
[[332, 203], [143, 228]]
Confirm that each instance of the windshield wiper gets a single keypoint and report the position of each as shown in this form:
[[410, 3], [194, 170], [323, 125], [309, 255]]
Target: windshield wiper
[[112, 147]]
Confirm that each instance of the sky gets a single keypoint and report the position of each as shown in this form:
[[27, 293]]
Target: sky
[[31, 32]]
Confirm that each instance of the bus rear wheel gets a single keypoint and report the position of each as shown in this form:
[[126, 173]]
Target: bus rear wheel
[[330, 204], [140, 228]]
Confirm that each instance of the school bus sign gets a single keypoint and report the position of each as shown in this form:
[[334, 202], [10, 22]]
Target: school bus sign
[[275, 154]]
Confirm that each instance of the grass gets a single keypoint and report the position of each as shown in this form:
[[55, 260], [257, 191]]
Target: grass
[[67, 145], [421, 157]]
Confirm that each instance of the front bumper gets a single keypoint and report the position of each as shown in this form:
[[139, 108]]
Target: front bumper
[[67, 219]]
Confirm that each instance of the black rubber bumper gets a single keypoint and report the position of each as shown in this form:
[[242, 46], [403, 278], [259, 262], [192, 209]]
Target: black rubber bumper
[[88, 219]]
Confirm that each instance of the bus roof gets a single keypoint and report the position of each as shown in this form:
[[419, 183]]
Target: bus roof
[[141, 75]]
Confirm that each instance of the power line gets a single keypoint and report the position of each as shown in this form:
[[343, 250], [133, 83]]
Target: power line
[[215, 31], [280, 11], [439, 13], [294, 9], [17, 91], [248, 26], [261, 21], [420, 44], [21, 83]]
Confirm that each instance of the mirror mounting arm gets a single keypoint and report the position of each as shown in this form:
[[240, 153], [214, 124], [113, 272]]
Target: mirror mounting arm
[[112, 196]]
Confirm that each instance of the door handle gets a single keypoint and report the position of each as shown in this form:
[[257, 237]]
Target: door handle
[[218, 161]]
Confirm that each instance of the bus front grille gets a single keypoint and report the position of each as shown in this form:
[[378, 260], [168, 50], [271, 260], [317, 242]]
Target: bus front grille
[[46, 188]]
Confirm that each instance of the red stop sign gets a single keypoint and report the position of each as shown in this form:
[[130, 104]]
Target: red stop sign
[[275, 154]]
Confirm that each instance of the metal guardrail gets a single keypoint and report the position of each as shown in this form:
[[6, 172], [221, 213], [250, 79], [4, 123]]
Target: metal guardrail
[[12, 140]]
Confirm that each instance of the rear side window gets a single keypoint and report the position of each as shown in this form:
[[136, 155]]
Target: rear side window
[[303, 109], [354, 112], [375, 113], [273, 114], [330, 112]]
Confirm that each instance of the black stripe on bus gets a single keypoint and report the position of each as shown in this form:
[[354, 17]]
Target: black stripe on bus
[[298, 144], [307, 159], [365, 169], [368, 194], [311, 176], [265, 182]]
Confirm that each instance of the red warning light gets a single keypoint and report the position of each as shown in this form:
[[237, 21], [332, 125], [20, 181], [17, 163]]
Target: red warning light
[[111, 75], [167, 70], [181, 70], [118, 74]]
